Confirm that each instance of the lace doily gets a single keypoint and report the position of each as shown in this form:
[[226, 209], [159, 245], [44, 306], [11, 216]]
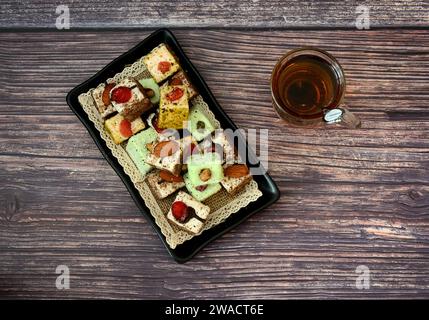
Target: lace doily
[[222, 204]]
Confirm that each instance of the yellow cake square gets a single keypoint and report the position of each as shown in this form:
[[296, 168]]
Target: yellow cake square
[[173, 107], [118, 134], [161, 63]]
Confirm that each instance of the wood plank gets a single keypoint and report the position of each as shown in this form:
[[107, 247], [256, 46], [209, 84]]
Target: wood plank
[[349, 197], [78, 181], [374, 61], [294, 154], [214, 13]]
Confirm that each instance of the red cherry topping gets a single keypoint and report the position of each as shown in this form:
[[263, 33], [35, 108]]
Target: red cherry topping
[[121, 95], [155, 124], [175, 94], [180, 211], [201, 188], [164, 66], [176, 82], [125, 128]]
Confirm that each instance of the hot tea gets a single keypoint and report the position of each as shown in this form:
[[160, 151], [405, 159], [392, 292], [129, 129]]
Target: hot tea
[[306, 85]]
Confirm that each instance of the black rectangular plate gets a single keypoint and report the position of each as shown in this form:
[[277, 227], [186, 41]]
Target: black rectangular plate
[[188, 249]]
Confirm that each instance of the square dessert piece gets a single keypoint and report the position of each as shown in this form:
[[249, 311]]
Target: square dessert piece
[[128, 98], [161, 63], [166, 155], [198, 124], [237, 176], [179, 79], [187, 213], [203, 192], [138, 151], [120, 129], [189, 147], [205, 169], [173, 107], [161, 187], [102, 101], [219, 137]]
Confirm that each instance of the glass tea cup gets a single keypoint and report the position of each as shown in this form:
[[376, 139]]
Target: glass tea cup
[[307, 89]]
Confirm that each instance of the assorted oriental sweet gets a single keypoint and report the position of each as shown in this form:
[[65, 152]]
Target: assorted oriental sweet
[[172, 143]]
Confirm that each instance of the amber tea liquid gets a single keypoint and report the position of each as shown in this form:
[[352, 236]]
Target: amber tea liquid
[[305, 86]]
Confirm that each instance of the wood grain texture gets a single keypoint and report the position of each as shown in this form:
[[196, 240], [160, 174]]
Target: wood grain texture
[[349, 197], [213, 13]]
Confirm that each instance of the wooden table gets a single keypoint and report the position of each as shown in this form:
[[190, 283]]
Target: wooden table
[[349, 197]]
